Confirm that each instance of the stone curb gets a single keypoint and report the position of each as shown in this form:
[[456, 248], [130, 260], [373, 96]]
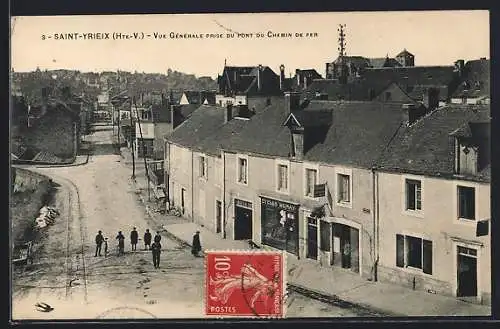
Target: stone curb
[[65, 165]]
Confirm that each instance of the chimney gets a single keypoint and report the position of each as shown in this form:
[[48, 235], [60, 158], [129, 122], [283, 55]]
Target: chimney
[[282, 77], [228, 113], [305, 81], [175, 115], [297, 75], [292, 101], [259, 78], [459, 67], [431, 98], [412, 112]]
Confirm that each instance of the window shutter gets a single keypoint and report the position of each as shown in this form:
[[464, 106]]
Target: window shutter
[[400, 250], [427, 256]]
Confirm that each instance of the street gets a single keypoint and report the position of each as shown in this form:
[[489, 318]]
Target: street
[[78, 285]]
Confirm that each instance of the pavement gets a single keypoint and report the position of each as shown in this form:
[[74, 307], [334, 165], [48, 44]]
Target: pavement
[[339, 284]]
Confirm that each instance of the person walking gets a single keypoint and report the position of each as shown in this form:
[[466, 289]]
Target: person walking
[[147, 240], [121, 243], [156, 249], [157, 237], [196, 245], [134, 236], [98, 243]]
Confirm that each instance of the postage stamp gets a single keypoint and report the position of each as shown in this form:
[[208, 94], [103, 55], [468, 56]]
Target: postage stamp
[[245, 283]]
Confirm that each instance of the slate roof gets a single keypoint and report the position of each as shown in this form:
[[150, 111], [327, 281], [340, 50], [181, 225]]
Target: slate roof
[[198, 97], [476, 81], [404, 53], [358, 61], [424, 147], [358, 90], [384, 62], [413, 75], [358, 132], [243, 80]]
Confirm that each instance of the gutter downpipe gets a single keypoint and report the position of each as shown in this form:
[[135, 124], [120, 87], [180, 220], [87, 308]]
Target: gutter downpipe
[[375, 223], [223, 157]]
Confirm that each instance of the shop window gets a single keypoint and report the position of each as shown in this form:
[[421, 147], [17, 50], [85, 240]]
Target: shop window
[[325, 231], [310, 181], [414, 252], [413, 195], [466, 203]]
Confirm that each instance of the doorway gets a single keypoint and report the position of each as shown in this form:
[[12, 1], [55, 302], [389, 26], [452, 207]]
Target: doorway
[[242, 223], [346, 247], [183, 200], [218, 216], [312, 238], [466, 272]]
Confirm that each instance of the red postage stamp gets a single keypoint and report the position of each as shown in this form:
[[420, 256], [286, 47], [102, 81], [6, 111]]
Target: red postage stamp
[[244, 283]]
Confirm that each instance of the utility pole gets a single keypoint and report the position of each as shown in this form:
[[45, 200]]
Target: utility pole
[[119, 114], [143, 149], [132, 126]]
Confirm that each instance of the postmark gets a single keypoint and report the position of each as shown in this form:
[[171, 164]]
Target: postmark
[[245, 284]]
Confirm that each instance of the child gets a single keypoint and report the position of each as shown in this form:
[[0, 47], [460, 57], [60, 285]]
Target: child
[[105, 247]]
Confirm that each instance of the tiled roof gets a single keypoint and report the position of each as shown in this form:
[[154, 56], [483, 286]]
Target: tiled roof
[[476, 81], [424, 147]]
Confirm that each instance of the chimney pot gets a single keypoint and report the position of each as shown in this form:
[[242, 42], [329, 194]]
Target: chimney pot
[[282, 77]]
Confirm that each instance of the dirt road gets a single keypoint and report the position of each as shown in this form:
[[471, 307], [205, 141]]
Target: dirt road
[[100, 196]]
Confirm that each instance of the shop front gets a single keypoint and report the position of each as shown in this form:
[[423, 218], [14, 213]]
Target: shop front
[[279, 220]]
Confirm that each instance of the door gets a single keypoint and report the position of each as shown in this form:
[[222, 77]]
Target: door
[[242, 223], [354, 250], [467, 272], [345, 246], [312, 238], [218, 216], [183, 200]]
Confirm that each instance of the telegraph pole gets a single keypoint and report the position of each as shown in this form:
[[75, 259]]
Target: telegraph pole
[[143, 149], [132, 126], [341, 48]]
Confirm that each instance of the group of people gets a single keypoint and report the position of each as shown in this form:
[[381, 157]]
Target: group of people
[[155, 247]]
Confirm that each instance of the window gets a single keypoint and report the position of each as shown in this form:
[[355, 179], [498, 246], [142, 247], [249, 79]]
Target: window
[[466, 203], [242, 170], [388, 96], [413, 195], [344, 190], [414, 252], [156, 116], [282, 177], [203, 166], [310, 181]]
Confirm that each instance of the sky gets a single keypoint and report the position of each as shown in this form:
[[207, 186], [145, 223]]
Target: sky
[[434, 37]]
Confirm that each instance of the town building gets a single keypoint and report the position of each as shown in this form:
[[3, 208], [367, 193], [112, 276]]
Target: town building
[[434, 188], [238, 83], [475, 85], [197, 97]]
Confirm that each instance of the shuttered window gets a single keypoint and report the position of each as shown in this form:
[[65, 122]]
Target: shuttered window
[[427, 256], [282, 177], [466, 203], [310, 181], [413, 195], [414, 252], [400, 250], [343, 188]]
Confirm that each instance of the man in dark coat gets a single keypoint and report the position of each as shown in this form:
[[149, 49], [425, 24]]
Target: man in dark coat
[[121, 243], [134, 237], [147, 240], [156, 249], [157, 237], [99, 239], [196, 245]]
